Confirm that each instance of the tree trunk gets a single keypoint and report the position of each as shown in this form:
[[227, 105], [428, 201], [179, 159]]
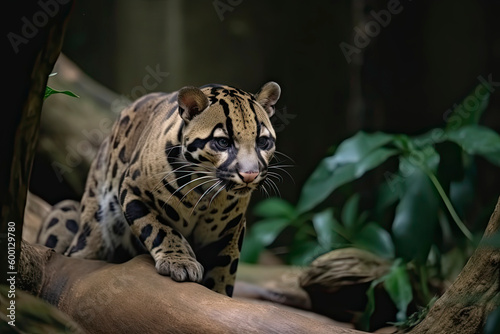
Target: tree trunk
[[35, 55], [464, 307]]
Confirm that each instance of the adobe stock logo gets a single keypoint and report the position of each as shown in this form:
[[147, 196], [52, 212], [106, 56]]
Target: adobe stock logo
[[221, 7], [281, 119], [150, 82], [364, 34], [30, 27], [86, 149]]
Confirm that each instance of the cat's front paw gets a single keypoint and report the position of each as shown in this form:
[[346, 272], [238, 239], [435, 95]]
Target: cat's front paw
[[180, 269]]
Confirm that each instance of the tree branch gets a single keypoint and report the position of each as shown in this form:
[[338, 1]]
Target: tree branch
[[20, 127], [133, 298], [464, 307]]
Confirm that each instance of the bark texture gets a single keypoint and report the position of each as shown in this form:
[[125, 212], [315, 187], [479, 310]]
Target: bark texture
[[464, 307]]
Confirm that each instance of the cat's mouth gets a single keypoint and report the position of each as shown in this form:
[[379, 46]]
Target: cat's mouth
[[211, 188], [243, 189], [233, 186], [237, 189]]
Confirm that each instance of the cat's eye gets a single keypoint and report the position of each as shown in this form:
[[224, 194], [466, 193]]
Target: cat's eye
[[222, 143], [263, 142]]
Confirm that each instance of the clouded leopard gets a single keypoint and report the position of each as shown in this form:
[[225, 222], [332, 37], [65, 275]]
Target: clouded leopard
[[174, 179]]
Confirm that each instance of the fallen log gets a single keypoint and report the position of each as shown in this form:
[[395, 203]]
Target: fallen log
[[132, 298]]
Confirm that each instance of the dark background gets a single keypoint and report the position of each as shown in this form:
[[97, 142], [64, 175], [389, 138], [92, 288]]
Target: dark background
[[426, 59]]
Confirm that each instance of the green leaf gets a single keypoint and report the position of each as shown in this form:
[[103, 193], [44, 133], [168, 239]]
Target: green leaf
[[49, 91], [275, 208], [462, 192], [267, 230], [386, 196], [302, 253], [322, 183], [398, 286], [372, 160], [430, 138], [403, 142], [415, 219], [423, 157], [251, 249], [260, 235], [324, 225], [375, 239], [364, 321], [357, 147], [354, 157], [480, 140], [350, 212]]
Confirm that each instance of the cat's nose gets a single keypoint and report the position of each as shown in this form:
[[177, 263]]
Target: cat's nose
[[248, 177]]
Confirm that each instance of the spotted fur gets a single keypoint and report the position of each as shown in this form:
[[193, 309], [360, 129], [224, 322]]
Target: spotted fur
[[174, 179]]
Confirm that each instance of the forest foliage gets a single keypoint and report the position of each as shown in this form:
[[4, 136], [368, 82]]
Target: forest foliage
[[417, 221]]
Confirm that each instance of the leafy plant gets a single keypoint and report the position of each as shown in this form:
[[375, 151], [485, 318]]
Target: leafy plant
[[433, 177], [398, 286]]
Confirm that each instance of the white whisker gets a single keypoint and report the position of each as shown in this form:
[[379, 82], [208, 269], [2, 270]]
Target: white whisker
[[211, 180], [218, 191], [157, 186], [206, 192], [284, 171], [263, 187], [273, 186], [283, 166], [286, 156], [275, 175], [179, 189]]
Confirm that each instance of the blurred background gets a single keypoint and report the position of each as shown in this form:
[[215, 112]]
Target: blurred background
[[420, 61]]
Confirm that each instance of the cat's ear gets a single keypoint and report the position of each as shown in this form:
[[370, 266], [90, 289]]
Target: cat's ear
[[192, 102], [268, 96]]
